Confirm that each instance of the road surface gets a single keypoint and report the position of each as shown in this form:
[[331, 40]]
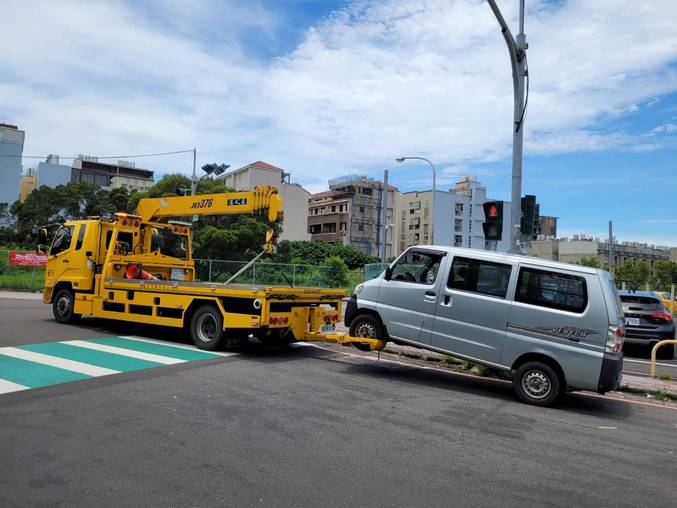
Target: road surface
[[314, 426]]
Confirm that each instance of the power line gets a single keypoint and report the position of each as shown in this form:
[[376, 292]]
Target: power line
[[103, 156]]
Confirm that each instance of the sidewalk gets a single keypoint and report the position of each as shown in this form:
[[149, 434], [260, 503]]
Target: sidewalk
[[646, 384], [20, 295]]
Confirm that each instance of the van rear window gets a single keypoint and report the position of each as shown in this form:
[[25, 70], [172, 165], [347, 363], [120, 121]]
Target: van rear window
[[551, 289], [479, 276]]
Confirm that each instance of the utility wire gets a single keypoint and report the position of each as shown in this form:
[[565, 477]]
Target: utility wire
[[102, 157]]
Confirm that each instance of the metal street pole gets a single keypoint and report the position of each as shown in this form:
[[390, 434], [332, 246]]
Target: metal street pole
[[518, 61], [384, 252], [193, 187], [611, 246], [432, 201]]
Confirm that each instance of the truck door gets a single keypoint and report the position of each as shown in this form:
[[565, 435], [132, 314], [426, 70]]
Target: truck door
[[67, 259], [472, 312], [407, 297]]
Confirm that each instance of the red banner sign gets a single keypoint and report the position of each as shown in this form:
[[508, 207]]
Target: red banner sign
[[26, 258]]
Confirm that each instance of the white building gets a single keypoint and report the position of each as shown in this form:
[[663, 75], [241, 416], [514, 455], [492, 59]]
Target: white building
[[295, 197], [458, 217]]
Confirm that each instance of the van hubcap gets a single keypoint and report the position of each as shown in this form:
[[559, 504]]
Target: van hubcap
[[206, 328], [536, 384], [365, 330]]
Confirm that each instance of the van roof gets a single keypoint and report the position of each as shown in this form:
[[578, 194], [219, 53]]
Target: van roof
[[514, 258]]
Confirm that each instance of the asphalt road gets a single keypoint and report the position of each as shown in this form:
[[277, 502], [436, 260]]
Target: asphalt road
[[315, 426]]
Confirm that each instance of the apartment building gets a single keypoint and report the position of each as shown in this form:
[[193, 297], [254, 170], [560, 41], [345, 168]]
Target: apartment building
[[458, 217], [351, 213], [294, 196], [573, 250]]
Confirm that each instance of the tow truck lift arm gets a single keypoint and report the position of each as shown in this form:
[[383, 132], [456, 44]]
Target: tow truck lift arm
[[261, 198]]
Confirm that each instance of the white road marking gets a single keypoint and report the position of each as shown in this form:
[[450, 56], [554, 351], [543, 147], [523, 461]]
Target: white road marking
[[8, 387], [61, 363], [607, 428], [649, 363], [177, 346], [124, 352]]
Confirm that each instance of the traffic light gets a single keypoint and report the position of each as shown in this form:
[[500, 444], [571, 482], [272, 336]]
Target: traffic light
[[528, 214], [493, 220]]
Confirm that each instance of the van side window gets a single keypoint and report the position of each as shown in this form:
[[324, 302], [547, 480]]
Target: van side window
[[81, 236], [417, 267], [553, 290], [478, 276]]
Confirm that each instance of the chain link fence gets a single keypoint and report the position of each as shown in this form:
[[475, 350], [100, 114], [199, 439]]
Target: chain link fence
[[276, 274], [373, 270]]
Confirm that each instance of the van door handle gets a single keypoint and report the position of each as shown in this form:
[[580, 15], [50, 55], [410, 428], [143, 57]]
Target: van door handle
[[430, 296], [447, 301], [430, 293]]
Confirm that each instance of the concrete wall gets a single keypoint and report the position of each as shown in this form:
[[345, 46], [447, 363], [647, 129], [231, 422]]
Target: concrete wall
[[52, 175]]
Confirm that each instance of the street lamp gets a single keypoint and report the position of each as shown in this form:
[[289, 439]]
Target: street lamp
[[432, 204]]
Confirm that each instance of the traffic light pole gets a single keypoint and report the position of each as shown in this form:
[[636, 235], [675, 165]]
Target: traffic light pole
[[517, 50]]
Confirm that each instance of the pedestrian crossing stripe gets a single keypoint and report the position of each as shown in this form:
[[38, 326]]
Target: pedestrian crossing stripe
[[38, 365]]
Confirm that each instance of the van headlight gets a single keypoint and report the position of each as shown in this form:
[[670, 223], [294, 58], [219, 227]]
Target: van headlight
[[358, 289]]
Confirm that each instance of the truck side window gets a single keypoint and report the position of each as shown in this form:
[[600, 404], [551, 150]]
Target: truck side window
[[417, 267], [478, 276], [81, 236], [62, 240], [550, 289]]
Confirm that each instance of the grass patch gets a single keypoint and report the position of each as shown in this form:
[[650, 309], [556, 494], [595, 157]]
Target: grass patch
[[659, 396], [666, 376]]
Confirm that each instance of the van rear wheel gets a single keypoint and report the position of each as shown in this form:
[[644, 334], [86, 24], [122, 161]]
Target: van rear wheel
[[368, 327], [206, 328], [537, 383]]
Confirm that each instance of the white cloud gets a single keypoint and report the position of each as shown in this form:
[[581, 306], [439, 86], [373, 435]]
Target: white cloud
[[372, 81]]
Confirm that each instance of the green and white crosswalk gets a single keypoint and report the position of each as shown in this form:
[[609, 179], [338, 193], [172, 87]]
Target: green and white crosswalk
[[37, 365]]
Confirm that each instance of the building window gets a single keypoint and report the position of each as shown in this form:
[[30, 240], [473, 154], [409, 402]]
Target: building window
[[315, 229], [458, 225], [360, 227], [333, 209], [329, 228], [459, 208], [551, 289], [361, 209], [458, 240]]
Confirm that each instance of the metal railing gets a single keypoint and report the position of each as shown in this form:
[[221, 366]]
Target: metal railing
[[654, 350]]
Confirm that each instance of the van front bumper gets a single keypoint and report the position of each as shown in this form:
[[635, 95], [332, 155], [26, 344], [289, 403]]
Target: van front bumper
[[612, 372], [351, 309]]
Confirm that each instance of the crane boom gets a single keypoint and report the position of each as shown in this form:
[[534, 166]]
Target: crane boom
[[224, 203]]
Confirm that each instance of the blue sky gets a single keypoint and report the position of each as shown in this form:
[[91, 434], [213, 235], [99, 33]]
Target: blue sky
[[326, 88]]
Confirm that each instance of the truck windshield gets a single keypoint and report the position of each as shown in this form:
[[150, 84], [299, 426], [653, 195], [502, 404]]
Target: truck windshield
[[62, 240]]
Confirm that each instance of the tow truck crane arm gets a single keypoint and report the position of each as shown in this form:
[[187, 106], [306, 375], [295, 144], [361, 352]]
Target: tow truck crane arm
[[228, 203]]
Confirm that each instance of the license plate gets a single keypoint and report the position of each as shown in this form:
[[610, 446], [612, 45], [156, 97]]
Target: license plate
[[632, 321], [327, 328]]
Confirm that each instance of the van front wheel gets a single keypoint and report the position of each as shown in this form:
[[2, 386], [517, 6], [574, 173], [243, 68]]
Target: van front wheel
[[368, 327], [537, 383]]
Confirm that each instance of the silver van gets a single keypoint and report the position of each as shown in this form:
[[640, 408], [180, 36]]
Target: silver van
[[555, 326]]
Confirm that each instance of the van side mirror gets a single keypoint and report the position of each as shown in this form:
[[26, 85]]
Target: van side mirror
[[389, 273]]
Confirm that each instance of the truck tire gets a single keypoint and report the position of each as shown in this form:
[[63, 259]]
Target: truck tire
[[367, 326], [537, 383], [206, 328], [63, 306]]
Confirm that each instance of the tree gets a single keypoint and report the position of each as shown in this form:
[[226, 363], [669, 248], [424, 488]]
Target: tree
[[636, 272], [592, 262], [337, 272], [666, 274]]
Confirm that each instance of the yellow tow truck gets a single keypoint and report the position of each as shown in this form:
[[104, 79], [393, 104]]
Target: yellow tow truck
[[139, 268]]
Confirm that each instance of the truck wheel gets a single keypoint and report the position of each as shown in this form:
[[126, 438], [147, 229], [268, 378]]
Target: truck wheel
[[537, 383], [206, 328], [367, 326], [63, 306]]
